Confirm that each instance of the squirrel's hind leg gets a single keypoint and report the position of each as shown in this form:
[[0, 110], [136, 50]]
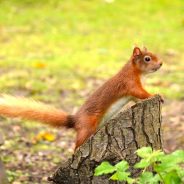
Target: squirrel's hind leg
[[83, 135]]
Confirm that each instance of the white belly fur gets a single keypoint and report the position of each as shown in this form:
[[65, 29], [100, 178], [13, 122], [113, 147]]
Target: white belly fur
[[115, 108]]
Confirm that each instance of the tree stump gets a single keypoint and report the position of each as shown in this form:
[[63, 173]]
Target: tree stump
[[118, 139]]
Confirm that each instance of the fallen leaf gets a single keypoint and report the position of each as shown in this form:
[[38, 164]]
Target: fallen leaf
[[39, 65], [47, 136]]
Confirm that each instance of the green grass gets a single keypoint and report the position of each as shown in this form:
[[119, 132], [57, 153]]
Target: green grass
[[48, 47]]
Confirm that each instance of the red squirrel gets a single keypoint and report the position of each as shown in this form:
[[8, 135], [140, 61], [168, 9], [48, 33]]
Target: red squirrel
[[105, 101]]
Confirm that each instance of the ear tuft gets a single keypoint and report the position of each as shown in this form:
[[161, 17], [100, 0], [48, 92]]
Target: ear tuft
[[137, 51], [145, 49]]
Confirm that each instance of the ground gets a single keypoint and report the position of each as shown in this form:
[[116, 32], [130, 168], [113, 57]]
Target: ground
[[60, 51]]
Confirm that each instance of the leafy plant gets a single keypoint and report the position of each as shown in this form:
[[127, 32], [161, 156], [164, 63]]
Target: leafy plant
[[166, 168]]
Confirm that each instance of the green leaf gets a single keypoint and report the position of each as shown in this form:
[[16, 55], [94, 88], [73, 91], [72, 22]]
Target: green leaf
[[120, 176], [181, 173], [156, 179], [122, 166], [144, 152], [175, 157], [114, 176], [166, 167], [178, 156], [130, 180], [149, 157], [172, 178], [148, 177], [104, 168], [155, 156], [142, 164], [170, 162]]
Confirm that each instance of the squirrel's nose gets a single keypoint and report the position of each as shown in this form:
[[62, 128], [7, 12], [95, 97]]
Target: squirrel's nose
[[161, 64]]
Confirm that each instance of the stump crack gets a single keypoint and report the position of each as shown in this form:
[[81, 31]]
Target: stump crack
[[143, 126]]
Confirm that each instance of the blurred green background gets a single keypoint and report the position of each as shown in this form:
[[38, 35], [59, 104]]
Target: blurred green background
[[58, 51], [50, 46]]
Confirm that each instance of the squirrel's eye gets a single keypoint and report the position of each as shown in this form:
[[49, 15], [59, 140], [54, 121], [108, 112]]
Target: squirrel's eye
[[147, 58]]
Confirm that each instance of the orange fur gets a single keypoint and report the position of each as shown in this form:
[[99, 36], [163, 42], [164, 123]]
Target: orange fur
[[126, 83], [28, 109]]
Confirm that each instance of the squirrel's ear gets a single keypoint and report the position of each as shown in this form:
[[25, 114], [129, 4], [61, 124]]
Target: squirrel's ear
[[137, 51], [145, 49]]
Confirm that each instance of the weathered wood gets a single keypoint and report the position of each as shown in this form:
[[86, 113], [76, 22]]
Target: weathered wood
[[118, 139]]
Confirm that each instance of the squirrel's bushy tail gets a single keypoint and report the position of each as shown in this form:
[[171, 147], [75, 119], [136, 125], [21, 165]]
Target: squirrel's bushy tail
[[11, 106]]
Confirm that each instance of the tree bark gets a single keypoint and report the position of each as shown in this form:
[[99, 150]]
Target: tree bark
[[117, 140]]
